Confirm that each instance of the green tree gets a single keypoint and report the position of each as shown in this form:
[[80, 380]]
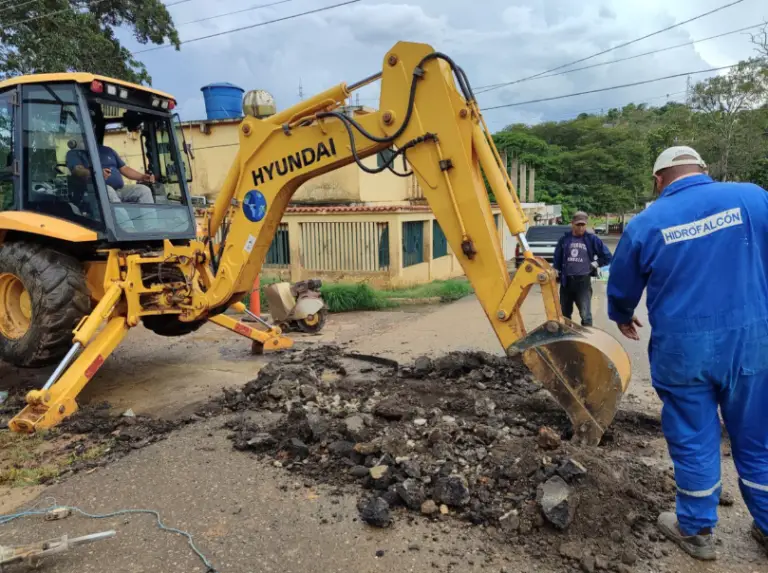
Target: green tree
[[45, 36], [725, 102]]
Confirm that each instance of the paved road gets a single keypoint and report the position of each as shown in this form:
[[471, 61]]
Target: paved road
[[251, 517]]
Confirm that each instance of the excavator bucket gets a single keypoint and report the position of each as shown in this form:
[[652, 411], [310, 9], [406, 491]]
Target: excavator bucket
[[585, 369]]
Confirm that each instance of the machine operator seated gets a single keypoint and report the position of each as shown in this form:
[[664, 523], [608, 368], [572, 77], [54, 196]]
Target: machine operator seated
[[114, 169]]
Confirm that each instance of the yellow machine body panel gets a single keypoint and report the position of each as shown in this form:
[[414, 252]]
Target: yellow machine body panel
[[79, 78], [38, 224], [429, 116]]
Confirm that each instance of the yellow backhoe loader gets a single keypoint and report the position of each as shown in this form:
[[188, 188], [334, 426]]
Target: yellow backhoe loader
[[71, 258]]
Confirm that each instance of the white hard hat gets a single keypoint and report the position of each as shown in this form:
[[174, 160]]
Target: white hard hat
[[669, 158]]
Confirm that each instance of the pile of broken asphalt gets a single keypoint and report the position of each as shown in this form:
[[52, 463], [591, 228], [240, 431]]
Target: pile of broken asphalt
[[467, 436]]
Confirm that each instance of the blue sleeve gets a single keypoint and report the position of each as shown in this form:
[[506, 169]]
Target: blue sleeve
[[626, 281], [118, 160], [74, 158], [603, 253], [557, 260]]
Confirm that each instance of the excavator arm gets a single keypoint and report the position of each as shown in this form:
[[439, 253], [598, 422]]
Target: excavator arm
[[429, 116]]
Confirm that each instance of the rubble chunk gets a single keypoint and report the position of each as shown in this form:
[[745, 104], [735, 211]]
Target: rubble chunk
[[572, 550], [484, 407], [391, 409], [376, 513], [452, 491], [342, 448], [548, 439], [571, 470], [356, 429], [557, 502], [412, 493]]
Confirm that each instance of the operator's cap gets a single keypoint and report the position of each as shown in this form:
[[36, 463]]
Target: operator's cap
[[680, 155], [580, 217]]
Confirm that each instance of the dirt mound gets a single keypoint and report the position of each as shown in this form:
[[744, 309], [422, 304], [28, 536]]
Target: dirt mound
[[467, 434]]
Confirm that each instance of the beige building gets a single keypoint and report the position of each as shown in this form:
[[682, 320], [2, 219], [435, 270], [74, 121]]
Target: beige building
[[346, 225]]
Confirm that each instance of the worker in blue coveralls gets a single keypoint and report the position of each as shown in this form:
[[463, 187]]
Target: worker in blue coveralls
[[701, 251], [577, 257]]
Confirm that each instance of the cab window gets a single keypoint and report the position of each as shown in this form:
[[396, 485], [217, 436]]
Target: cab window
[[53, 137], [6, 150]]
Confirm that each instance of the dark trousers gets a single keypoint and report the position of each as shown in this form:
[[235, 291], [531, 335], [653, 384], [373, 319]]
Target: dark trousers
[[577, 290]]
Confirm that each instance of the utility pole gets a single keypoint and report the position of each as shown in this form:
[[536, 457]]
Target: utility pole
[[688, 92]]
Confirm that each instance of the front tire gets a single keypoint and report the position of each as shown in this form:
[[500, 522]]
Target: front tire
[[170, 325], [43, 296]]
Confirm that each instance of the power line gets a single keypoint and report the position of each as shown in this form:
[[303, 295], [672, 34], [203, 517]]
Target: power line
[[235, 12], [484, 89], [49, 14], [625, 44], [177, 2], [633, 84], [291, 17]]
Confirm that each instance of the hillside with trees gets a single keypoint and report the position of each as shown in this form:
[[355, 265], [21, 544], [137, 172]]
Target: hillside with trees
[[602, 163]]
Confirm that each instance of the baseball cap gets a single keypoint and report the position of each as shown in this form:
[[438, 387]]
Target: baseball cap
[[580, 217], [679, 155]]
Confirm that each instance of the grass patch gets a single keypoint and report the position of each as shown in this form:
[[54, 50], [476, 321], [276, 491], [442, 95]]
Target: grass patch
[[447, 291], [91, 454], [343, 297], [33, 460], [21, 477], [347, 297]]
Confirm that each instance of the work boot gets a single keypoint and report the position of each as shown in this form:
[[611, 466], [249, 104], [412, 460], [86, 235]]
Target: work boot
[[701, 546], [760, 537]]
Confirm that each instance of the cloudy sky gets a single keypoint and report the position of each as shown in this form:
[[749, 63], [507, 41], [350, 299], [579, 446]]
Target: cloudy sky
[[493, 40]]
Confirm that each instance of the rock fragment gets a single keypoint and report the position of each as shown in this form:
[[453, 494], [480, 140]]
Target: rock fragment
[[557, 502], [548, 439], [375, 512], [453, 491]]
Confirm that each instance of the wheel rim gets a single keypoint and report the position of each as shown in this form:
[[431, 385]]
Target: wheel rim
[[312, 319], [15, 307]]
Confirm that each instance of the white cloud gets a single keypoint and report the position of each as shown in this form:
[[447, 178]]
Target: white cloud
[[493, 40]]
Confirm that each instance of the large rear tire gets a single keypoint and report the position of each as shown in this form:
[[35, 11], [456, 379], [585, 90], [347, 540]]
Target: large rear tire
[[43, 296]]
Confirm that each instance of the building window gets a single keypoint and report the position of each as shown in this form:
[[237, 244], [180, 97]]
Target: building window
[[497, 220], [279, 253], [439, 241], [413, 243]]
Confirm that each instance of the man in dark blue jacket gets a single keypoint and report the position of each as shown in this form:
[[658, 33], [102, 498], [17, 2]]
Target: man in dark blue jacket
[[701, 251], [577, 256]]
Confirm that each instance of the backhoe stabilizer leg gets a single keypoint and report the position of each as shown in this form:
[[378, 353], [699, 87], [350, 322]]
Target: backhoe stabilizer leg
[[46, 408], [263, 340]]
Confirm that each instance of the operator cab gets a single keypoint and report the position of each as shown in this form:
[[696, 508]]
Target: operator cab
[[96, 152]]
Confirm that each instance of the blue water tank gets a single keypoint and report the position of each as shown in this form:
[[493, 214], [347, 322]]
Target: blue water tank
[[223, 100]]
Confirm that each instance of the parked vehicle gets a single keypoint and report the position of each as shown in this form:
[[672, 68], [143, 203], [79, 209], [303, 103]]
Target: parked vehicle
[[601, 230], [543, 240]]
